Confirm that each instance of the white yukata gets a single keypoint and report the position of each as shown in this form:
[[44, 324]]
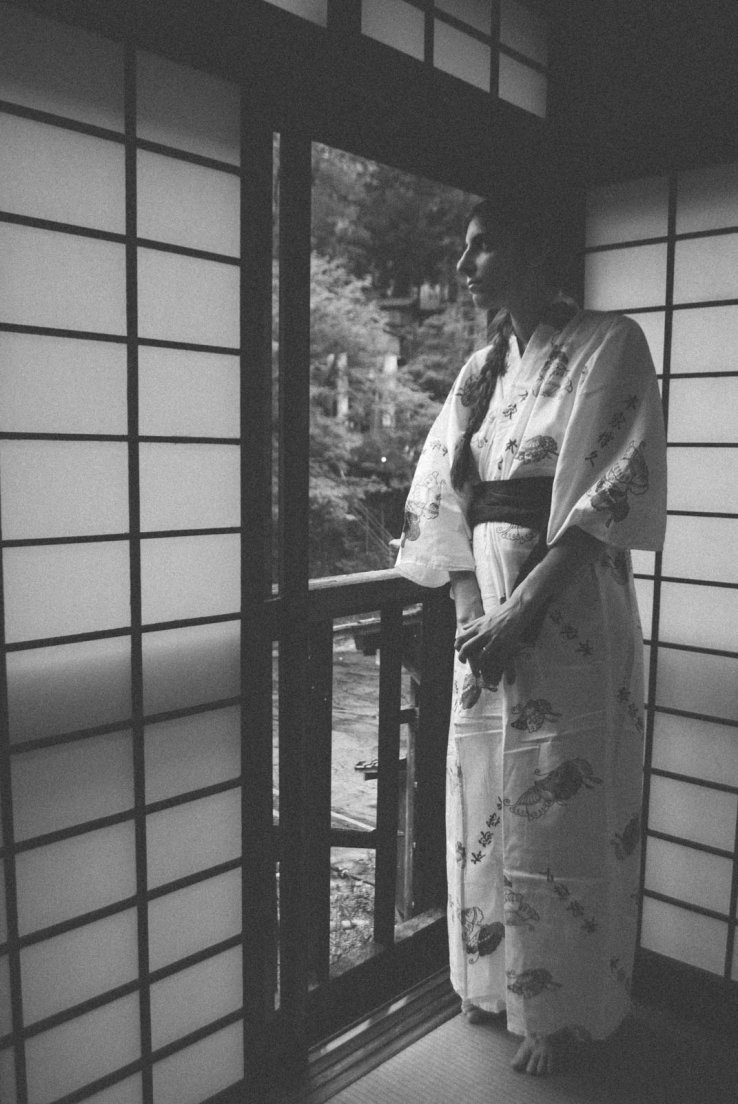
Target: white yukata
[[545, 775]]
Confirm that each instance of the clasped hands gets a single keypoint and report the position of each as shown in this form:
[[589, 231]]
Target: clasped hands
[[490, 643]]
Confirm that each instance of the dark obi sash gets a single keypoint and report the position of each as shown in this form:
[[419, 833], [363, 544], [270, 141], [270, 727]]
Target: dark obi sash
[[525, 502]]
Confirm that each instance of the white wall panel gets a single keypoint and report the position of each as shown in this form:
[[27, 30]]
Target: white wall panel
[[685, 936], [701, 548], [652, 324], [689, 875], [191, 666], [627, 211], [199, 1072], [621, 279], [698, 748], [702, 479], [190, 577], [314, 10], [3, 913], [185, 204], [477, 13], [705, 339], [460, 55], [523, 30], [698, 683], [188, 753], [125, 1092], [705, 617], [396, 24], [704, 410], [692, 812], [191, 919], [188, 394], [522, 86], [707, 198], [187, 486], [196, 996], [193, 837], [6, 1015], [706, 268], [644, 596], [187, 299], [7, 1075]]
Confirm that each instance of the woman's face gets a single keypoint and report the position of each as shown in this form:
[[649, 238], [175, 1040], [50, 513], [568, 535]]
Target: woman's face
[[496, 272]]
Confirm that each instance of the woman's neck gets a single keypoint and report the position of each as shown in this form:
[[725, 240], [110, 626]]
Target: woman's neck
[[527, 314]]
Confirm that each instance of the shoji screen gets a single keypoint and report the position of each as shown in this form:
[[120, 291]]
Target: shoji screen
[[120, 459], [666, 252]]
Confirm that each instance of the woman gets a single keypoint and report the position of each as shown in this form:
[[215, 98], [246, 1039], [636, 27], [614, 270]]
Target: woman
[[544, 467]]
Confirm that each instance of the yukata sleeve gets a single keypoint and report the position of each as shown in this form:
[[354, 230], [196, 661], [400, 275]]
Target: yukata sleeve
[[610, 476], [436, 538]]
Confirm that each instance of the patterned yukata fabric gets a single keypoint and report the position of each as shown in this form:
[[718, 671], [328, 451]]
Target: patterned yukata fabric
[[545, 774]]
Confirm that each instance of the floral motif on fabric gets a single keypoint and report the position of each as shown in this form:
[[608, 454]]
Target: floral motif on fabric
[[617, 563], [624, 843], [555, 788], [533, 715], [628, 476], [619, 974], [571, 904], [467, 393], [570, 632], [553, 378], [529, 983], [479, 939], [423, 505], [616, 422], [512, 408], [518, 534], [518, 912], [535, 449], [486, 835], [635, 713], [434, 444]]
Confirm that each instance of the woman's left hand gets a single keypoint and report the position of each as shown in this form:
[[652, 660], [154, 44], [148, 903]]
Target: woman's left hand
[[490, 643]]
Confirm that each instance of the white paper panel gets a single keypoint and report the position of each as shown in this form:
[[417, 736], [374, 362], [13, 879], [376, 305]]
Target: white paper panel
[[681, 809], [703, 410], [193, 837], [78, 965], [191, 666], [687, 746], [58, 68], [314, 10], [643, 562], [685, 936], [705, 339], [707, 198], [698, 683], [644, 595], [71, 686], [627, 211], [477, 13], [7, 1076], [187, 299], [63, 488], [187, 109], [198, 1072], [623, 278], [80, 1051], [523, 30], [460, 55], [185, 204], [42, 379], [396, 24], [189, 486], [522, 86], [192, 752], [53, 279], [125, 1092], [701, 548], [191, 919], [196, 997], [646, 671], [6, 1018], [698, 615], [652, 324], [75, 876], [702, 479], [185, 393], [51, 173], [56, 787], [59, 590], [3, 913], [706, 268], [692, 876], [190, 577]]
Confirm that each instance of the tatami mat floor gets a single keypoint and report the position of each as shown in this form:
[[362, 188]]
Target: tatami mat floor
[[652, 1060]]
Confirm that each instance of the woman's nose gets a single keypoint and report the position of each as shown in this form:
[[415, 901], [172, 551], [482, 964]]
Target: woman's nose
[[463, 266]]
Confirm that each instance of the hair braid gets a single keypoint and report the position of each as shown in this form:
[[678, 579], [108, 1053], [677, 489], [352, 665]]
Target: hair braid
[[478, 391]]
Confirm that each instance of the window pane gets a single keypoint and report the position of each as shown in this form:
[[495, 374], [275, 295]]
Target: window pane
[[191, 919], [188, 299], [190, 577], [3, 914], [692, 876], [702, 616], [652, 325], [192, 837], [60, 280], [56, 787], [314, 10], [698, 748], [63, 488], [703, 410], [698, 683], [703, 339], [191, 666], [53, 67], [624, 278], [461, 56], [702, 479], [80, 964], [187, 109], [522, 30], [627, 211], [707, 198], [185, 204], [701, 548], [188, 394], [678, 808], [201, 1070], [189, 486], [644, 596], [7, 1074], [192, 752], [686, 936], [643, 562], [60, 590], [522, 86], [6, 1018], [477, 13], [196, 996], [81, 1050], [706, 268], [124, 1092], [75, 876], [42, 379], [59, 174], [396, 24], [71, 686]]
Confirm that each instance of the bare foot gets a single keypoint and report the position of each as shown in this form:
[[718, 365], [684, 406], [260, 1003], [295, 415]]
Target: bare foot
[[475, 1014], [536, 1055]]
